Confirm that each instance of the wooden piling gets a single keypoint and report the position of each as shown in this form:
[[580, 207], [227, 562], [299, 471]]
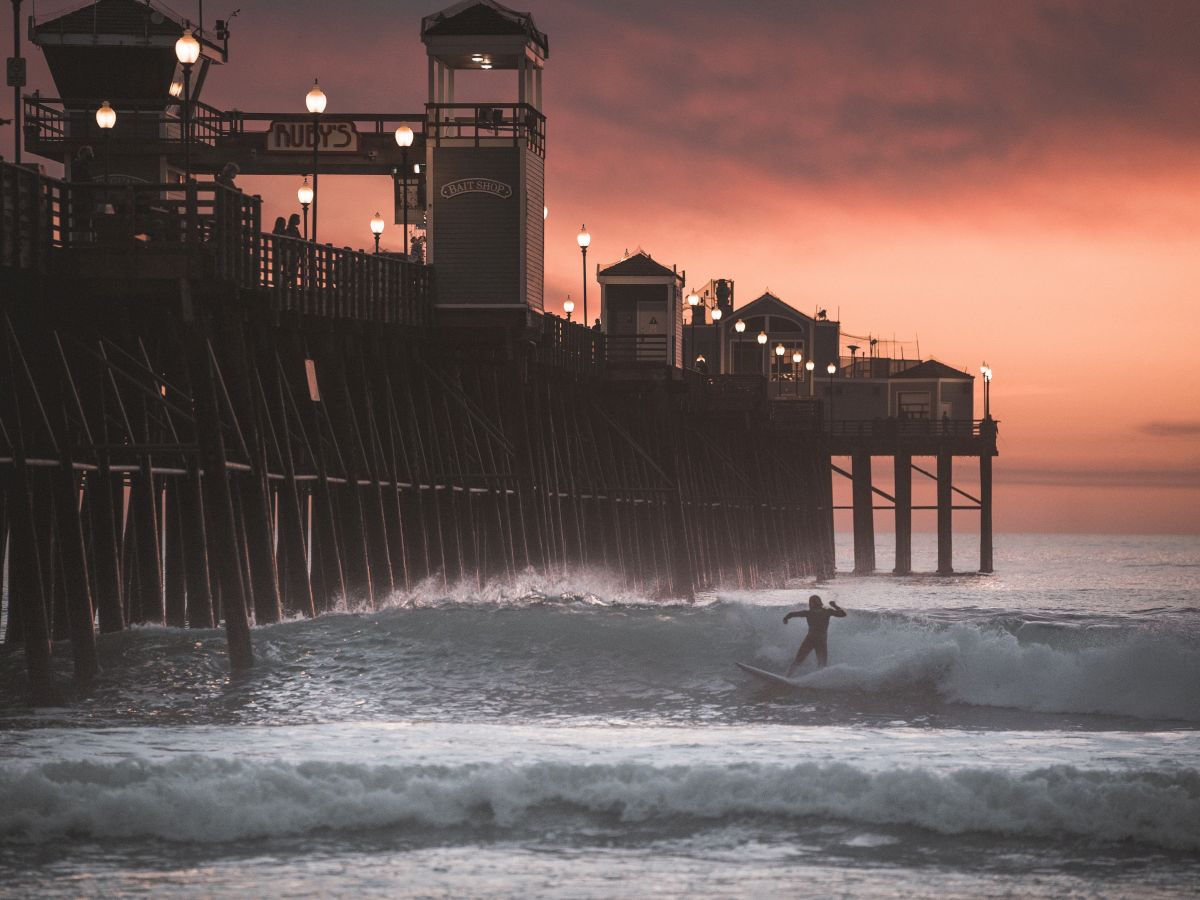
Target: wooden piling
[[864, 515], [902, 467], [945, 475], [985, 511]]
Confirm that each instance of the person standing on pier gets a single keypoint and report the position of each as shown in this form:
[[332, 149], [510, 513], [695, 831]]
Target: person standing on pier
[[818, 616]]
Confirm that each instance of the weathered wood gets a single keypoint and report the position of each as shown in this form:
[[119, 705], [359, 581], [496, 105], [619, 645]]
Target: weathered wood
[[945, 532], [864, 515], [902, 467]]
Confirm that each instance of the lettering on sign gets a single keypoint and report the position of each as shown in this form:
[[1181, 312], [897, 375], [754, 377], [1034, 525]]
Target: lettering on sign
[[297, 137], [476, 186]]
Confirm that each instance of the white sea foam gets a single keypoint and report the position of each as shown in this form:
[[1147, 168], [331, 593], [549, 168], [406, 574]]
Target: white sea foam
[[1106, 670], [202, 799]]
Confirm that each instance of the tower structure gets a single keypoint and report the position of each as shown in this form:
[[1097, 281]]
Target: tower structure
[[486, 163]]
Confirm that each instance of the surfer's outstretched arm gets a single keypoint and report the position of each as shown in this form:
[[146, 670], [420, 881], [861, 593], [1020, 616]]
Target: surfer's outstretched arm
[[796, 614], [835, 610]]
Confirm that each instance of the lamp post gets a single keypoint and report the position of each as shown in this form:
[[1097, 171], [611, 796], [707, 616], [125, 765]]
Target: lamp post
[[304, 194], [404, 139], [106, 118], [693, 300], [779, 351], [986, 371], [315, 101], [568, 307], [797, 358], [831, 368], [808, 367], [740, 327], [762, 342], [377, 229], [585, 241], [716, 317], [187, 51]]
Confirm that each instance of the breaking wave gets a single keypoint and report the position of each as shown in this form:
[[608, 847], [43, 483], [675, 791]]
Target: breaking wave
[[201, 799]]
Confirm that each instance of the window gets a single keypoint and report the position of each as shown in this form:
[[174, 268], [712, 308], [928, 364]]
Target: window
[[913, 404]]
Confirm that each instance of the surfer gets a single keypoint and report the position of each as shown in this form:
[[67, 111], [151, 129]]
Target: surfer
[[818, 616]]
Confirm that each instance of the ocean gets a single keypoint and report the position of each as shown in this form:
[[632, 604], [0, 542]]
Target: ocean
[[1028, 733]]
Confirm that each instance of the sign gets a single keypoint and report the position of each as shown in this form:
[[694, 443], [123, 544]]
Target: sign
[[16, 71], [297, 137], [414, 201], [462, 186]]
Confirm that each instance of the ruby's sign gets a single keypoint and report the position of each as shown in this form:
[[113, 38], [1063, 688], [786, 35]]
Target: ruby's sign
[[297, 137], [476, 186]]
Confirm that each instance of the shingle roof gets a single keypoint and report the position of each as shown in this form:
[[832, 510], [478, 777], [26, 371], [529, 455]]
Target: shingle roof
[[132, 17], [482, 17], [932, 368], [638, 264]]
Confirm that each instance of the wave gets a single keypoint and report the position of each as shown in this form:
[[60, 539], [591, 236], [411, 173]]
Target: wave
[[540, 653], [203, 799]]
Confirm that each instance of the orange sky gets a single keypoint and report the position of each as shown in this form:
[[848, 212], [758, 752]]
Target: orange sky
[[1017, 182]]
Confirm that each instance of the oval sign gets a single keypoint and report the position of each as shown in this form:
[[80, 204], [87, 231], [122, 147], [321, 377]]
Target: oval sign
[[476, 186]]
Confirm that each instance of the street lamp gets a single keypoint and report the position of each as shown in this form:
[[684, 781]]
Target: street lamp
[[315, 101], [797, 358], [377, 229], [404, 139], [716, 317], [106, 118], [986, 371], [304, 194], [693, 300], [187, 51], [808, 367], [568, 307], [831, 368], [779, 351], [740, 327], [584, 240]]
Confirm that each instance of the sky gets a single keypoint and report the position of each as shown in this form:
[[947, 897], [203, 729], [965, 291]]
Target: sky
[[1011, 182]]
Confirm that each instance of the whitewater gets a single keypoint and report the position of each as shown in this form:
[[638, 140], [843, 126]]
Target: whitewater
[[1033, 732]]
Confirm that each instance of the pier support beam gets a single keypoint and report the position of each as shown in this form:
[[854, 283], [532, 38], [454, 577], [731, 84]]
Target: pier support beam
[[903, 494], [985, 512], [945, 474], [864, 515]]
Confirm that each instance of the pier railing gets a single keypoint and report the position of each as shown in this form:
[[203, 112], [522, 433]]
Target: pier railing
[[572, 347], [213, 232], [637, 348], [478, 125]]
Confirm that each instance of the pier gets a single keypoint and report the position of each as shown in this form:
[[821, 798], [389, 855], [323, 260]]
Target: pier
[[204, 423]]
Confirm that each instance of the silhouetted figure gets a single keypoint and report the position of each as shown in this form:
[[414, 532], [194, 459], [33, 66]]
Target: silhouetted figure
[[596, 326], [280, 258], [293, 227], [228, 176], [818, 617], [280, 226]]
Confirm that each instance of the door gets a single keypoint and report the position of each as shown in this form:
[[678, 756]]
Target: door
[[652, 331]]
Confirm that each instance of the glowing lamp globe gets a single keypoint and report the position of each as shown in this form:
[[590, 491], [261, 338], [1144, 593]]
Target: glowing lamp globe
[[304, 193], [739, 326], [187, 48], [716, 314], [831, 368], [583, 237], [315, 99], [377, 224], [106, 116], [762, 337], [404, 136]]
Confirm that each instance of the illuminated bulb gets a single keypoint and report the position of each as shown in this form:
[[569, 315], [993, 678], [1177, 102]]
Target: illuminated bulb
[[739, 326], [315, 99], [404, 136], [762, 337]]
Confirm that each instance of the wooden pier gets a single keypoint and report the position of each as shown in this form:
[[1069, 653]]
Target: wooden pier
[[202, 423]]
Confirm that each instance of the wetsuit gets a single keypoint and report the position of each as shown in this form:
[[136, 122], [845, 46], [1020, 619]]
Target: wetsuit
[[818, 634]]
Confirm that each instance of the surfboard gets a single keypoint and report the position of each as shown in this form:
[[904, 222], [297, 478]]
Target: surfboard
[[769, 677]]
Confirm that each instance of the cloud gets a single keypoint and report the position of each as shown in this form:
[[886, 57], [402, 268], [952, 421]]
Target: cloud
[[1186, 477], [1179, 428]]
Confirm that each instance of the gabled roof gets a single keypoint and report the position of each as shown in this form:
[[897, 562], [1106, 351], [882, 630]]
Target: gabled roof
[[932, 368], [483, 17], [128, 17], [768, 304], [641, 263]]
